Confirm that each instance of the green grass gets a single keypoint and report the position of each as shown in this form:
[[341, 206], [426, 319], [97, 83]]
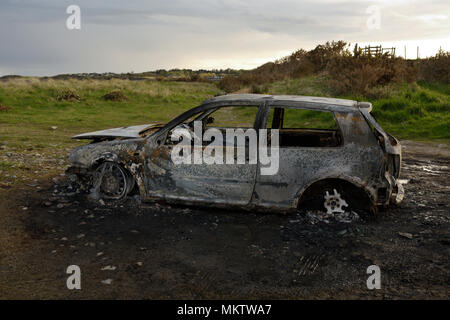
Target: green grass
[[36, 106], [4, 165], [409, 111], [415, 112]]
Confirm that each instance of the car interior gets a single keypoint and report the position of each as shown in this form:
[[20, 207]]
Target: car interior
[[305, 128], [297, 127]]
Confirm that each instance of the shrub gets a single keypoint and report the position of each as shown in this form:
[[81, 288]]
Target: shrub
[[4, 108], [262, 88], [115, 96], [358, 75], [67, 95], [230, 84], [349, 72], [436, 69]]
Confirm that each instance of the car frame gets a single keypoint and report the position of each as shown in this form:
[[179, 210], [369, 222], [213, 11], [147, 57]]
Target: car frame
[[362, 171]]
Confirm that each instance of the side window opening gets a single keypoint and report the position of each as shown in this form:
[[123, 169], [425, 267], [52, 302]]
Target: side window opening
[[187, 125], [221, 118], [305, 128], [233, 117]]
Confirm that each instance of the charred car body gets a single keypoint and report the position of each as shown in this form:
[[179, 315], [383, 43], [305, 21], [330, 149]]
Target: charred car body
[[352, 162]]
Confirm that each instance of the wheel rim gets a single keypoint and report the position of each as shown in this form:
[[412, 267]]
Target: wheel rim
[[111, 181], [334, 203]]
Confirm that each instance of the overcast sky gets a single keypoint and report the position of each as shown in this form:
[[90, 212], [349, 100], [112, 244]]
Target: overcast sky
[[123, 36]]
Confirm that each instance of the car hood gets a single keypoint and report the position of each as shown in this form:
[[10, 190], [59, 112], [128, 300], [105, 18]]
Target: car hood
[[123, 132]]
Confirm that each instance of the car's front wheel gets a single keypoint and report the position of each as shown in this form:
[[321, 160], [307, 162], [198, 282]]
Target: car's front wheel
[[112, 181]]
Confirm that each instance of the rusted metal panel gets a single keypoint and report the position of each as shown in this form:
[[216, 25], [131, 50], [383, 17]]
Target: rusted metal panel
[[217, 183]]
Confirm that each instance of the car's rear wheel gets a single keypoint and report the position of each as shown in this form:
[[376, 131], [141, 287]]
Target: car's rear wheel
[[112, 181], [337, 196], [334, 202]]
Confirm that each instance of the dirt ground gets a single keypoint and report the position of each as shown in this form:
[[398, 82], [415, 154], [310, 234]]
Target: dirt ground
[[158, 252]]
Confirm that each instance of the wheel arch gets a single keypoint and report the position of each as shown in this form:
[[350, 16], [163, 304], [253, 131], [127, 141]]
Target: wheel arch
[[354, 185], [108, 156], [113, 158]]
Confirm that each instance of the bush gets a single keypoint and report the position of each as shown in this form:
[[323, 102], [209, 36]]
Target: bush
[[298, 64], [115, 96], [230, 84], [4, 108], [436, 69], [262, 89], [359, 75], [349, 73], [67, 95], [322, 55]]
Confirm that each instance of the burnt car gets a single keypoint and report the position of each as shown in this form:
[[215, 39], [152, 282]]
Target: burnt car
[[332, 155]]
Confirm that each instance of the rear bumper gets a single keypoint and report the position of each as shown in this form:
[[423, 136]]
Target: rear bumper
[[398, 193], [392, 194]]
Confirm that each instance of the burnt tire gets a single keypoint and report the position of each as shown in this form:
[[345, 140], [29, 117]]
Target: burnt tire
[[111, 182], [333, 193]]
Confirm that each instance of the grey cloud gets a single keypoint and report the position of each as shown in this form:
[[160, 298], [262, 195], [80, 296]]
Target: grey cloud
[[142, 35]]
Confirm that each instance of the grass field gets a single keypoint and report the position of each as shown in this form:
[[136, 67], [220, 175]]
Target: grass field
[[32, 106], [77, 106], [408, 111]]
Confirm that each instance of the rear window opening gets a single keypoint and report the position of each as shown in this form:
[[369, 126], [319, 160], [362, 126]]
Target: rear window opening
[[305, 128]]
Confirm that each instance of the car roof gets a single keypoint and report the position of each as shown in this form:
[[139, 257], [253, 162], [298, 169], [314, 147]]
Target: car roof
[[294, 101]]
